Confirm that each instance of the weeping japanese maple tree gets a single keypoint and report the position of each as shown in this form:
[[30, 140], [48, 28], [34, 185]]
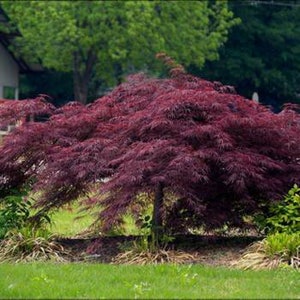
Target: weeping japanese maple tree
[[203, 154]]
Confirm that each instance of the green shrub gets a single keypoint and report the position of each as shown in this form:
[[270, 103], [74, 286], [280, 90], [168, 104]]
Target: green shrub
[[283, 216], [14, 211]]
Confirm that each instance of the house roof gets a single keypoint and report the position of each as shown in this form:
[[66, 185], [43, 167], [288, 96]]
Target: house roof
[[6, 40]]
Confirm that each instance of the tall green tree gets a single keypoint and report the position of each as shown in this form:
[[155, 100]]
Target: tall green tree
[[105, 39], [262, 53]]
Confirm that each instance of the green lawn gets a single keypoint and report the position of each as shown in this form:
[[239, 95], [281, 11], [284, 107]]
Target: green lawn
[[61, 281], [69, 222]]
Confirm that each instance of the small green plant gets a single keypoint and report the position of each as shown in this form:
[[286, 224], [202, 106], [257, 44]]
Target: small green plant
[[147, 239], [283, 216], [140, 289], [145, 242]]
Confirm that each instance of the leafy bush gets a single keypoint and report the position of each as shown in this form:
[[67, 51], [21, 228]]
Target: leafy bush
[[279, 249], [14, 212], [283, 216], [286, 216]]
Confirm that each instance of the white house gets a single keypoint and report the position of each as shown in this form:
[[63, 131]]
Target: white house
[[10, 69], [10, 65], [9, 75]]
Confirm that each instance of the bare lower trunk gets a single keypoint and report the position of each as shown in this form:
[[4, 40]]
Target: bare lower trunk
[[80, 89], [82, 72], [157, 224]]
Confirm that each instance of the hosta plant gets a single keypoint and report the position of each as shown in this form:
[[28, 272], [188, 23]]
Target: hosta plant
[[276, 250]]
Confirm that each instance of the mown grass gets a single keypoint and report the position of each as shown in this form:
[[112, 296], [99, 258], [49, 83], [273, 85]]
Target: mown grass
[[61, 281]]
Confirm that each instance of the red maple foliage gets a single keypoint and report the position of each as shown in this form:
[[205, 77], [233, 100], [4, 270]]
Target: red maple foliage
[[205, 154]]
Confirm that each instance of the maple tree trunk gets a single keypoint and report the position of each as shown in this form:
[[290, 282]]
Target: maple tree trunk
[[82, 72], [157, 225]]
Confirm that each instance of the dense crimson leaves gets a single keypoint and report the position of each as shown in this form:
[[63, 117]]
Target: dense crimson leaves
[[218, 155]]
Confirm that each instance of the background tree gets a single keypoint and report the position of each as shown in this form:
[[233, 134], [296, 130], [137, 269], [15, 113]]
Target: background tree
[[105, 39], [262, 53], [57, 85], [203, 154]]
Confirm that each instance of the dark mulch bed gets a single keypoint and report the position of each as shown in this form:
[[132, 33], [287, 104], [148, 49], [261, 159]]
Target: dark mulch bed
[[209, 249]]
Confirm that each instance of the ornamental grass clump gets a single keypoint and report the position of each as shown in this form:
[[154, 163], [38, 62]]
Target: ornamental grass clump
[[27, 245], [145, 251], [159, 256]]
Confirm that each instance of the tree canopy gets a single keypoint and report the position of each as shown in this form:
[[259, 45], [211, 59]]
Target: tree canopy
[[262, 53], [203, 154], [102, 40]]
